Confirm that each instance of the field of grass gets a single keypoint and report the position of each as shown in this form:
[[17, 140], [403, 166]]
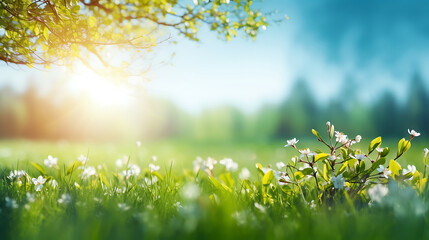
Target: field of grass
[[177, 202]]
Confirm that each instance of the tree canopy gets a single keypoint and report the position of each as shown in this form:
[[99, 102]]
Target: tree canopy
[[46, 32]]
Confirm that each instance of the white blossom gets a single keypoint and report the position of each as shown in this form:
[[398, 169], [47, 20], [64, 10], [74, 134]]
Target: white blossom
[[306, 152], [377, 192], [341, 137], [410, 168], [291, 142], [358, 138], [413, 133], [385, 171], [425, 152], [338, 182], [359, 157], [280, 165]]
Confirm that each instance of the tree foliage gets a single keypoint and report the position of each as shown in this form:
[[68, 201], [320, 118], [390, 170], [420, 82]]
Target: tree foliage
[[46, 32]]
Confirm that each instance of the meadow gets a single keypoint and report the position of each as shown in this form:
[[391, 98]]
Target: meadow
[[162, 190]]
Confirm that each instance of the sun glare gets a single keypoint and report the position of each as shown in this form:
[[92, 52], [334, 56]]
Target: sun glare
[[102, 90]]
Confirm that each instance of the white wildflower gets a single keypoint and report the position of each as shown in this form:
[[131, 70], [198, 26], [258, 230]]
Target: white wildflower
[[123, 207], [54, 183], [133, 170], [17, 174], [153, 167], [88, 172], [244, 174], [260, 207], [11, 203], [191, 191], [65, 199], [51, 161], [31, 197], [138, 144], [82, 159], [229, 164], [425, 152], [38, 183]]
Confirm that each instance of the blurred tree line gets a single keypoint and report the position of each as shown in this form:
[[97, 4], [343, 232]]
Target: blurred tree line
[[55, 115]]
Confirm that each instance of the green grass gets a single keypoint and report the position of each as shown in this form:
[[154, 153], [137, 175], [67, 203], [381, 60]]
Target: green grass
[[94, 211]]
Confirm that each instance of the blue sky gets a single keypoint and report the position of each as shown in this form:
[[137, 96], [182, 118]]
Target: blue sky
[[324, 41]]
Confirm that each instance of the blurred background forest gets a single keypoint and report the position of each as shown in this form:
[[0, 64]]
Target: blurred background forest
[[55, 114], [360, 65]]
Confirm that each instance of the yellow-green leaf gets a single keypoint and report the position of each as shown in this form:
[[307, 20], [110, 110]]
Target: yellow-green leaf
[[46, 33], [39, 168], [374, 144], [316, 133], [394, 167], [321, 156], [266, 180], [92, 21], [73, 166]]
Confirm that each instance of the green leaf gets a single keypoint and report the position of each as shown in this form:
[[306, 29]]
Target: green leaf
[[39, 168], [72, 167], [158, 175], [321, 156], [266, 180], [307, 171], [325, 172], [394, 167], [374, 144], [215, 182], [376, 164], [403, 146], [227, 179], [316, 133], [362, 166], [385, 152]]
